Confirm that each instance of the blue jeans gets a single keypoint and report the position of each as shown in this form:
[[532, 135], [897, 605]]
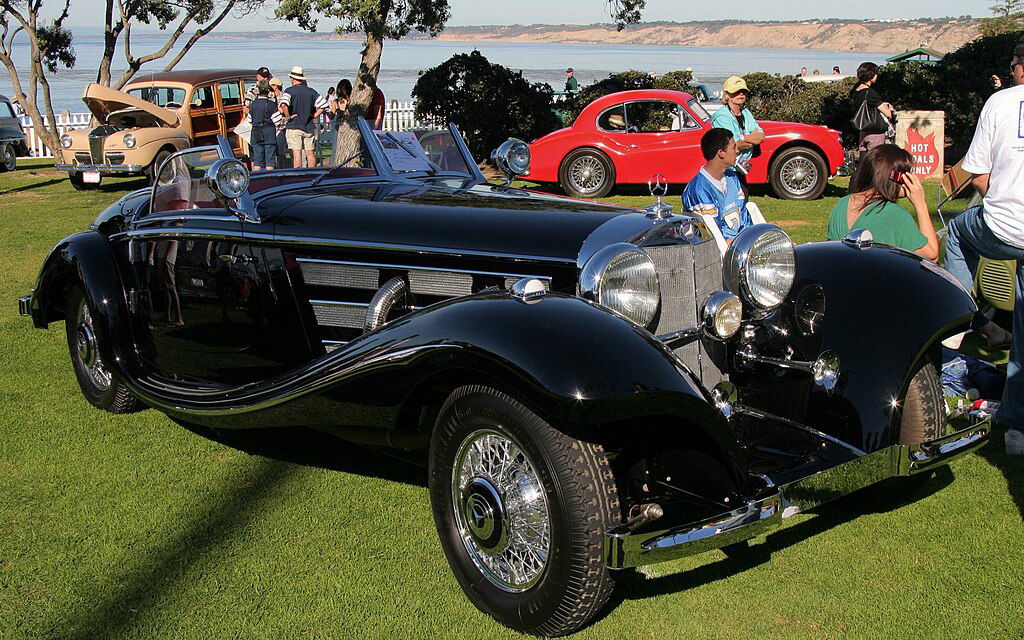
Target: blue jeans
[[969, 237]]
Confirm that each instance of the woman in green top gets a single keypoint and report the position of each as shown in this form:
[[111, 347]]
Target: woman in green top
[[884, 176]]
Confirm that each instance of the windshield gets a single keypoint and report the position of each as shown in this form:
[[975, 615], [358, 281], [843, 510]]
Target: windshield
[[160, 96], [419, 152], [700, 111], [181, 182]]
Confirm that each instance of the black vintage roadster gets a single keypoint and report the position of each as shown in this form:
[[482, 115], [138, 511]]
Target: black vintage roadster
[[598, 388]]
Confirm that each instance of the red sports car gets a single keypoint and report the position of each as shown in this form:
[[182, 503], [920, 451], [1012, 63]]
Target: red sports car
[[626, 137]]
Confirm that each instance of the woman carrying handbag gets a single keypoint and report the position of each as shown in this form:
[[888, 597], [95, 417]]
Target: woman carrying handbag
[[871, 113]]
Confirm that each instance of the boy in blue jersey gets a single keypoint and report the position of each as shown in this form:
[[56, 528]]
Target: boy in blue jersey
[[716, 189]]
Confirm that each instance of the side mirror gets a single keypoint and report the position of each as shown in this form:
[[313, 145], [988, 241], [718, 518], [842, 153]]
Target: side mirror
[[513, 158]]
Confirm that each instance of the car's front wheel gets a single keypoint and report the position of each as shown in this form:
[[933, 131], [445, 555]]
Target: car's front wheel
[[8, 157], [798, 173], [521, 510], [586, 173], [100, 385]]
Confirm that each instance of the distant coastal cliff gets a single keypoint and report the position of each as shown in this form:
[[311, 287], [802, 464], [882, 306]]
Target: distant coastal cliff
[[944, 34]]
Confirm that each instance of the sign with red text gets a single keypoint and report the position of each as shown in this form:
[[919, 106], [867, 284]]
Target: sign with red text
[[922, 134]]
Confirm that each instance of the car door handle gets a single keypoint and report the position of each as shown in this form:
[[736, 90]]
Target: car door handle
[[241, 258], [632, 146]]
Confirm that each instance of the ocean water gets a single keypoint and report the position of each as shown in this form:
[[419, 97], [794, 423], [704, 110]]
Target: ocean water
[[326, 62]]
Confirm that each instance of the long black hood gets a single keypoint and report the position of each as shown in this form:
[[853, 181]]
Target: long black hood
[[479, 219]]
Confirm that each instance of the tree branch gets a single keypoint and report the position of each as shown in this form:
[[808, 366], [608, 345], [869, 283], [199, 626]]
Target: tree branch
[[135, 63], [199, 34]]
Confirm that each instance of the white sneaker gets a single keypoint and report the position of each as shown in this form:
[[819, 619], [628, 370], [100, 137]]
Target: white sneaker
[[1014, 442]]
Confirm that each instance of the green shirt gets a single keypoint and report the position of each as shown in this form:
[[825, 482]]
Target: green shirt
[[889, 223]]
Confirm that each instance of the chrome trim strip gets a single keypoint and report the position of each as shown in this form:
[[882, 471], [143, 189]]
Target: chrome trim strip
[[623, 549], [101, 168], [327, 242], [383, 265], [182, 232]]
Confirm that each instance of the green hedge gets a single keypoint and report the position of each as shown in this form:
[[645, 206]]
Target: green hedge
[[958, 84]]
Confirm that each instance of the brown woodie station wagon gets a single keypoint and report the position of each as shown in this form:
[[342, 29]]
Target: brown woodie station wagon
[[138, 128]]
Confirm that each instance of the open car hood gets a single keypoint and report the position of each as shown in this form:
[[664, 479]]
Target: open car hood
[[103, 101]]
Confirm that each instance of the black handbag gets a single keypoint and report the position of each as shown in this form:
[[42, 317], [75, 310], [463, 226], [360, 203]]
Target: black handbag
[[869, 118]]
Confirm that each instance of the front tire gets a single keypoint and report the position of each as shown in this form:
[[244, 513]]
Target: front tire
[[924, 411], [100, 385], [586, 173], [521, 510], [80, 185], [154, 166], [798, 173], [8, 157]]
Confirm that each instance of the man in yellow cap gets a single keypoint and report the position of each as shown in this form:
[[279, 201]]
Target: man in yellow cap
[[735, 117]]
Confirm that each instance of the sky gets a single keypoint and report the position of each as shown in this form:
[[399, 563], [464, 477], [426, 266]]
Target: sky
[[476, 12]]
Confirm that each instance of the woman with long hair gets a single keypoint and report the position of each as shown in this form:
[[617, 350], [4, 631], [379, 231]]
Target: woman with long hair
[[886, 174]]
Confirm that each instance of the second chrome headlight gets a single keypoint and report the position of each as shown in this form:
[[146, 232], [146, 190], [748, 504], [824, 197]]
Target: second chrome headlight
[[624, 279], [760, 266]]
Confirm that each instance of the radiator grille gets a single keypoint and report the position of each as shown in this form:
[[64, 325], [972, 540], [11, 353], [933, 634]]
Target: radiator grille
[[440, 283], [688, 274], [350, 315], [340, 275]]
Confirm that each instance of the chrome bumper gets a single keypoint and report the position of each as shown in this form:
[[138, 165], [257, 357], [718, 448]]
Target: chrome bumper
[[849, 165], [101, 168], [24, 306], [624, 549]]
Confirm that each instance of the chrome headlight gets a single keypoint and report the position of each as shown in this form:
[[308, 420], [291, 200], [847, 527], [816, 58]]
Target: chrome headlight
[[512, 157], [760, 266], [721, 315], [623, 278], [65, 141], [129, 141], [228, 178]]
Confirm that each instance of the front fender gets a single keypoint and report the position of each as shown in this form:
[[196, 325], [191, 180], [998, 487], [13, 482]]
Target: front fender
[[884, 310]]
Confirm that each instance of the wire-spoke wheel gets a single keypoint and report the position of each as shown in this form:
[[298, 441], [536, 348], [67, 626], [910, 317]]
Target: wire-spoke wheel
[[586, 173], [501, 510], [798, 173], [521, 510], [100, 385]]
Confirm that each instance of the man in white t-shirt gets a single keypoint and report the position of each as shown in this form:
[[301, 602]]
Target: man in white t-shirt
[[996, 229]]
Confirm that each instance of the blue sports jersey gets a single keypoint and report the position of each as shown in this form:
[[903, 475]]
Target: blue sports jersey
[[729, 209]]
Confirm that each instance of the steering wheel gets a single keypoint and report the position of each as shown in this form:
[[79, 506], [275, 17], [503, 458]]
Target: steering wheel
[[172, 105], [632, 129]]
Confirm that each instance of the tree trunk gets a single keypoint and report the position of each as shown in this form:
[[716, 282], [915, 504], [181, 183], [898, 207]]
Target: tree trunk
[[110, 35], [346, 143]]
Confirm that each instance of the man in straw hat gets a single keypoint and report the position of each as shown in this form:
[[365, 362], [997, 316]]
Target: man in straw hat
[[301, 107]]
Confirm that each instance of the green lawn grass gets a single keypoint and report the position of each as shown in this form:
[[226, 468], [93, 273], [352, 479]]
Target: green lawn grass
[[133, 527]]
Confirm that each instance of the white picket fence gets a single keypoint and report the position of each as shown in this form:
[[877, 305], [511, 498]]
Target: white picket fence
[[399, 116]]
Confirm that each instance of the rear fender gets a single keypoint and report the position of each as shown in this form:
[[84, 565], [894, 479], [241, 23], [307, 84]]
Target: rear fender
[[84, 260]]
